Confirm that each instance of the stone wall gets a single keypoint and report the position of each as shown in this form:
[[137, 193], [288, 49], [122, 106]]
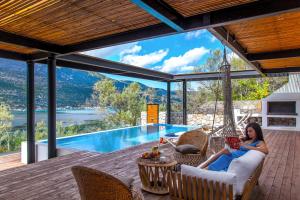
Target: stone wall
[[162, 118], [244, 107], [281, 121]]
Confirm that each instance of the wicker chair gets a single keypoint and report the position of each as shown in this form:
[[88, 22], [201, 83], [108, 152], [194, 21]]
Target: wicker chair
[[197, 138], [183, 187], [94, 184]]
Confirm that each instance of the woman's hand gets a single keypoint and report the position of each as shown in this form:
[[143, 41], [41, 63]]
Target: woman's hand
[[244, 146]]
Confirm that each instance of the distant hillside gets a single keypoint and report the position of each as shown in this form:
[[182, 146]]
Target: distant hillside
[[74, 87]]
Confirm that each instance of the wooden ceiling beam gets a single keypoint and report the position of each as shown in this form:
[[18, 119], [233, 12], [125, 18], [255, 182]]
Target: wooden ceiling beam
[[30, 42], [291, 53], [13, 55], [229, 40], [281, 70]]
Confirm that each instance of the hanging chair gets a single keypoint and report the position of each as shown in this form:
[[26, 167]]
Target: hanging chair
[[228, 130]]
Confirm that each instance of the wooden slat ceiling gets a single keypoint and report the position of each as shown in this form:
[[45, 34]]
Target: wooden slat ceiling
[[281, 63], [189, 8], [16, 48], [66, 22], [269, 34]]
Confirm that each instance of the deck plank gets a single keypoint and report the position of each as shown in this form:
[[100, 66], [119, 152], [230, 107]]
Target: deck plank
[[52, 179], [296, 171], [266, 179], [285, 190], [10, 161]]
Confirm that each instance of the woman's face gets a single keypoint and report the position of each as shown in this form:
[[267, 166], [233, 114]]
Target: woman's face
[[251, 133]]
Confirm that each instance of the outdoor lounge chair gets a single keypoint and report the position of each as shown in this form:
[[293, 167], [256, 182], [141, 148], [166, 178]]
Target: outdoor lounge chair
[[237, 183], [197, 138], [94, 184]]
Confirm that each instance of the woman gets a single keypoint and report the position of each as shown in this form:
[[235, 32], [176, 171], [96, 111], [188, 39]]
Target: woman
[[254, 140]]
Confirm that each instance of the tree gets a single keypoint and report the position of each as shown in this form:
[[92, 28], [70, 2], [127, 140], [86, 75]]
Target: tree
[[242, 89], [127, 104], [41, 130], [6, 118], [150, 95], [105, 91], [212, 64]]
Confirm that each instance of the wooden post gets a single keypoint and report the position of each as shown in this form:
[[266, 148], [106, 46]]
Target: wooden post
[[51, 106], [30, 113]]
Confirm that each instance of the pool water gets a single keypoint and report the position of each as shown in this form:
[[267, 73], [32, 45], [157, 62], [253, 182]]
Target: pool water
[[117, 139]]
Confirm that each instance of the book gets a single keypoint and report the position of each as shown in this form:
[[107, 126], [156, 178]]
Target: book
[[233, 142]]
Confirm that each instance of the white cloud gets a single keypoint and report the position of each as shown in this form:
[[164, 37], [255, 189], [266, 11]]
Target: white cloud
[[132, 50], [187, 68], [193, 34], [156, 68], [185, 61], [110, 51], [213, 38], [144, 60]]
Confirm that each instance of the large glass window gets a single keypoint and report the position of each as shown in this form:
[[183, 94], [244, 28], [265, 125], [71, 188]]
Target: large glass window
[[204, 99], [89, 101], [176, 103], [12, 108]]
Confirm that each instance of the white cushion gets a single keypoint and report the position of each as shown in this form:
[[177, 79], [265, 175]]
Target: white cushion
[[244, 166], [220, 176]]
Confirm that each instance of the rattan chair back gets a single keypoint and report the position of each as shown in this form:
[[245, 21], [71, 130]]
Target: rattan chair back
[[195, 137], [94, 184]]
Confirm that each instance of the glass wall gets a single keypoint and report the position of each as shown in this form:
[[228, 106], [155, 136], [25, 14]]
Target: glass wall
[[86, 102], [201, 102], [12, 106], [176, 103], [246, 95], [89, 101]]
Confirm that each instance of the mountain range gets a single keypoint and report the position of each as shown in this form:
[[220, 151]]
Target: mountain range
[[74, 87]]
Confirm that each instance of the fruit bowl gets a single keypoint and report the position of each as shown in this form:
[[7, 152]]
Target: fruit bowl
[[150, 155]]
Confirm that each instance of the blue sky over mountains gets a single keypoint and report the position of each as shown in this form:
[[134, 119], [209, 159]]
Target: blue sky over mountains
[[172, 54]]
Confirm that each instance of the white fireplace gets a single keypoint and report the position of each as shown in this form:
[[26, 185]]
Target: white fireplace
[[281, 110]]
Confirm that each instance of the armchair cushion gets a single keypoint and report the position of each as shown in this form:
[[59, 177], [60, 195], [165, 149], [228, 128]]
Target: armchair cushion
[[220, 176], [244, 167], [187, 149]]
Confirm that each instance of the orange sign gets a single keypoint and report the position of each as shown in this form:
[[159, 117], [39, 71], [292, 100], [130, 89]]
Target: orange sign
[[152, 113]]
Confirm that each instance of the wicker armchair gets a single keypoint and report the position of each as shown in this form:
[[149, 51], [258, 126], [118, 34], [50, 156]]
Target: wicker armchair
[[183, 187], [197, 138], [94, 184]]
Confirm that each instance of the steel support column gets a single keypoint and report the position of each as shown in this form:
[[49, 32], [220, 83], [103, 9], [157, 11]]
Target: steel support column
[[184, 111], [51, 106], [30, 113], [168, 102]]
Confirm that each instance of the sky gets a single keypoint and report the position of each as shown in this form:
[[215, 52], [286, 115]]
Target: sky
[[175, 54]]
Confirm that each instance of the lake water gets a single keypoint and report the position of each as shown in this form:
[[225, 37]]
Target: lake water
[[68, 117]]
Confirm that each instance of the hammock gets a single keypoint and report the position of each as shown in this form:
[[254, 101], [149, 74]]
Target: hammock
[[228, 129]]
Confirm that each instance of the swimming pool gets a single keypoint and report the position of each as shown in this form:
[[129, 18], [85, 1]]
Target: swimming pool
[[117, 139]]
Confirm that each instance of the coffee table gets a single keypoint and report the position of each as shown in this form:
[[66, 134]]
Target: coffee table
[[153, 174]]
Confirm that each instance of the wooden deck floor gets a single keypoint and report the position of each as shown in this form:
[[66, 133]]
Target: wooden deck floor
[[10, 161], [52, 179]]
